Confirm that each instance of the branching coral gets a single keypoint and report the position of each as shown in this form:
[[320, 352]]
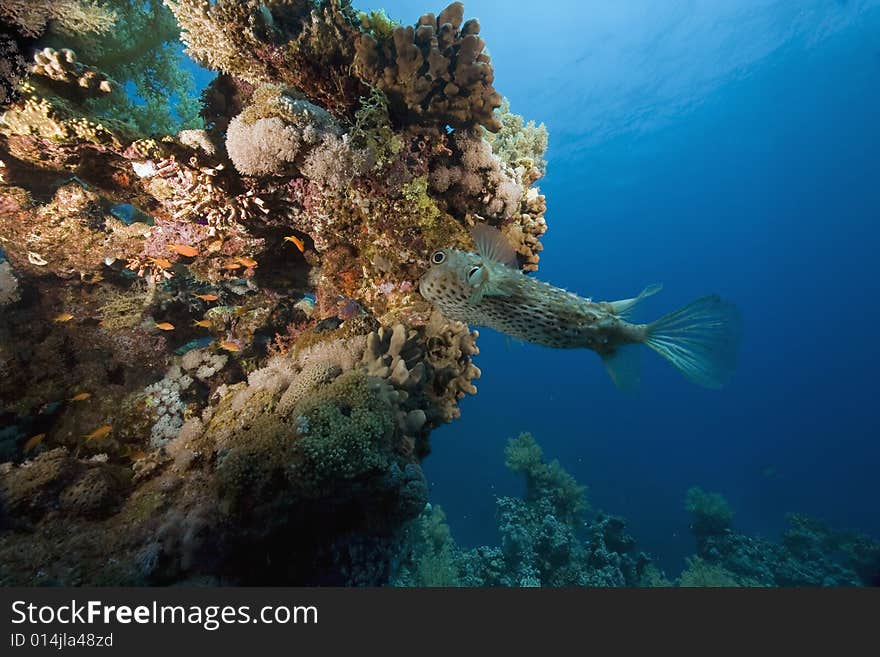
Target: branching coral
[[545, 480], [140, 52], [61, 66], [435, 72], [67, 17], [519, 144], [307, 44], [810, 553], [547, 538], [710, 511]]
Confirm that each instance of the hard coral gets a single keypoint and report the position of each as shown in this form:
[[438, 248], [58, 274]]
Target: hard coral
[[435, 73], [62, 68], [306, 44]]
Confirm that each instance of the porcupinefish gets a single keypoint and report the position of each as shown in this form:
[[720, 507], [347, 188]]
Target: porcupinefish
[[487, 288]]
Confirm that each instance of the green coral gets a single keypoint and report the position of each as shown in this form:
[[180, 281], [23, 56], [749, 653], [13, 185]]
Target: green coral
[[700, 573], [434, 555], [346, 429], [63, 17], [421, 203], [378, 24], [711, 512], [141, 52], [250, 471], [373, 131], [548, 481]]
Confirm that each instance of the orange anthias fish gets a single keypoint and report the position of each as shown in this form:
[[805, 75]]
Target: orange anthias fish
[[100, 432], [247, 262], [206, 297], [161, 263], [297, 242], [184, 250], [232, 265], [203, 323], [165, 326], [81, 396], [229, 345], [32, 442], [63, 317]]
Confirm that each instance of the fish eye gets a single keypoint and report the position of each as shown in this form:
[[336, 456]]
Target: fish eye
[[438, 258]]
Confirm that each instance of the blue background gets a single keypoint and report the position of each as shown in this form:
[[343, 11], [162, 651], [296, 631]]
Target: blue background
[[714, 146], [725, 146]]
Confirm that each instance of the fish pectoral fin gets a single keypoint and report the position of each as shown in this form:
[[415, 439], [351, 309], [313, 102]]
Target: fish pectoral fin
[[624, 367], [476, 297], [491, 286], [486, 290], [621, 308]]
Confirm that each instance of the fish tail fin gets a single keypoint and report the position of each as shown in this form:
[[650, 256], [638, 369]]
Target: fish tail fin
[[624, 366], [701, 340]]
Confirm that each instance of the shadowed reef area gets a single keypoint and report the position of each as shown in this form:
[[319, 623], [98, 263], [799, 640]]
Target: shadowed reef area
[[215, 367]]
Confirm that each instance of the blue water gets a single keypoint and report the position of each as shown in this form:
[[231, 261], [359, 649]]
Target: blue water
[[728, 146], [714, 146]]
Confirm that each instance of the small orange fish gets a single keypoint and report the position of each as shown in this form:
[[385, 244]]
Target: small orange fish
[[63, 317], [229, 345], [247, 262], [32, 442], [81, 396], [204, 323], [161, 263], [206, 297], [184, 250], [165, 326], [297, 242], [232, 265], [100, 432]]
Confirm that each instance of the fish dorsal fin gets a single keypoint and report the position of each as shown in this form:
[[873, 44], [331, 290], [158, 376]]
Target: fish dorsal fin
[[492, 245], [621, 308]]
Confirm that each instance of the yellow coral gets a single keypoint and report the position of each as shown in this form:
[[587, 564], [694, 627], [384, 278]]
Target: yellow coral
[[31, 17]]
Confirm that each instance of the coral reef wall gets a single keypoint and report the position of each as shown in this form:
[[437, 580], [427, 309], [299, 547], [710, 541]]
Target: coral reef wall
[[215, 362]]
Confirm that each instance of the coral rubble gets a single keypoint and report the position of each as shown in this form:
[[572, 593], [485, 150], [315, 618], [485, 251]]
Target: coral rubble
[[212, 337]]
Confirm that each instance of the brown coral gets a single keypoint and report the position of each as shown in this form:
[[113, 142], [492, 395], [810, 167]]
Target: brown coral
[[435, 73]]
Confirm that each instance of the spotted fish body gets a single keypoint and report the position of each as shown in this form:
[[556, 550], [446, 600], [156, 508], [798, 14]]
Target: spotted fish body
[[528, 309], [487, 289]]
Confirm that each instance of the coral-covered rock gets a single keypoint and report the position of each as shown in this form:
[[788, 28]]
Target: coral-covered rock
[[216, 355]]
